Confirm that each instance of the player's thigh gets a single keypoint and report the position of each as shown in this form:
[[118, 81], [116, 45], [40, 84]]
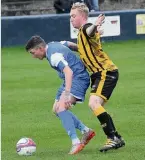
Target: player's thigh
[[103, 83]]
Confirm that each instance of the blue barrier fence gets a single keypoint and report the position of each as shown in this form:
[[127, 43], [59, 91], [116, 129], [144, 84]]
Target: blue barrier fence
[[17, 30]]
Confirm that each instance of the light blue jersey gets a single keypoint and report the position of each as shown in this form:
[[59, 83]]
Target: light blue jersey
[[60, 56]]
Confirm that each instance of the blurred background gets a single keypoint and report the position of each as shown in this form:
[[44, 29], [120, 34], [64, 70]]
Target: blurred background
[[34, 7]]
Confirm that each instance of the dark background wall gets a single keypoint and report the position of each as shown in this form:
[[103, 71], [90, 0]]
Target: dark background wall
[[17, 30]]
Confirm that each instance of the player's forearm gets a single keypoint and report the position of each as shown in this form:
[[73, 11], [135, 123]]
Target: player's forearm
[[68, 78], [91, 30], [72, 46]]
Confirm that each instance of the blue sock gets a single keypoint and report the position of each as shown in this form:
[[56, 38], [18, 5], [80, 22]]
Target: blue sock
[[68, 123], [78, 124]]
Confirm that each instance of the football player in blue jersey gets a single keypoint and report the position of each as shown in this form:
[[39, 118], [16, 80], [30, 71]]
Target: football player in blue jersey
[[75, 83]]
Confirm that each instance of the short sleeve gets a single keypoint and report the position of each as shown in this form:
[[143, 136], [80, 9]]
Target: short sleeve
[[64, 43], [85, 28], [57, 60]]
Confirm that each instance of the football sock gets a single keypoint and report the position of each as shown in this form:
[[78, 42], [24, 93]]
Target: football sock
[[116, 133], [68, 124], [78, 124], [104, 119]]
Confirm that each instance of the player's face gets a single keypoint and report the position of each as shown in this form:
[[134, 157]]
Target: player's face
[[38, 53], [76, 18]]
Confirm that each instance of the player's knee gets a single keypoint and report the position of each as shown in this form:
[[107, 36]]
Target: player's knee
[[94, 102], [60, 107]]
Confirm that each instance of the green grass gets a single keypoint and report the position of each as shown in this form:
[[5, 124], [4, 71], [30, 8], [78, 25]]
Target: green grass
[[28, 91]]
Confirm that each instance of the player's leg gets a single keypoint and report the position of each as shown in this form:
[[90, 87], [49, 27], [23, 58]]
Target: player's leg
[[99, 111], [120, 139], [78, 123], [76, 147], [78, 90], [95, 103], [111, 81], [68, 123], [87, 132], [114, 128], [102, 87]]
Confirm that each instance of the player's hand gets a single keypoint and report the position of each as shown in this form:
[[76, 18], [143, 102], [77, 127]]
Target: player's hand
[[66, 96], [100, 20]]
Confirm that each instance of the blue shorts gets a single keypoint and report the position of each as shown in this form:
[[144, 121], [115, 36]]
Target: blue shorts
[[78, 89]]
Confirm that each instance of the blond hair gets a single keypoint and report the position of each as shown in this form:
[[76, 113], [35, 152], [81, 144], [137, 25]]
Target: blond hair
[[81, 7]]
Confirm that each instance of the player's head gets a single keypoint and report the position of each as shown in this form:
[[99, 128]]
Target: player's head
[[79, 14], [37, 47]]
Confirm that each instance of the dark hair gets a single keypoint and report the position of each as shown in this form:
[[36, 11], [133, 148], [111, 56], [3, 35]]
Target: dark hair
[[33, 42]]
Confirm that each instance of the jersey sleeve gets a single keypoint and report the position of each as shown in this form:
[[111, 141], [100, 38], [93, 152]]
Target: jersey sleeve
[[85, 28], [64, 43], [58, 61]]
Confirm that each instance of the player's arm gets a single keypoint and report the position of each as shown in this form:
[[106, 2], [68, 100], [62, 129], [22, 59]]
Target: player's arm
[[57, 60], [73, 46], [91, 30], [68, 78], [66, 96]]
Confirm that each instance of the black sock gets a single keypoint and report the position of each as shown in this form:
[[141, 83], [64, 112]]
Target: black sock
[[106, 124], [115, 132]]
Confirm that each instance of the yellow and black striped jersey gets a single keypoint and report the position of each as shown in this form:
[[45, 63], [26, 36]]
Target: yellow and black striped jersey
[[91, 53]]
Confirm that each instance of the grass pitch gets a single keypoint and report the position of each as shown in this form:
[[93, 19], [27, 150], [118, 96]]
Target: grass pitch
[[28, 90]]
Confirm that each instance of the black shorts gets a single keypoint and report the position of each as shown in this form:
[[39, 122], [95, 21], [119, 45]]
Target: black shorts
[[103, 83]]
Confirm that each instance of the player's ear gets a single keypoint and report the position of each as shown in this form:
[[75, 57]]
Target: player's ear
[[41, 47]]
